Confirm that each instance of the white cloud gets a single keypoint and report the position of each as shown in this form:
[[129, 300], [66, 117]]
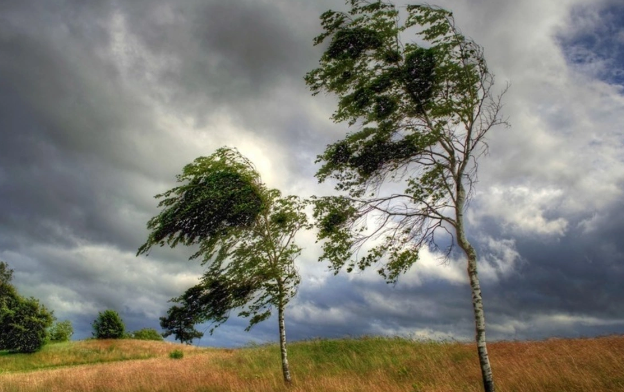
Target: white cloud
[[379, 303], [434, 267], [522, 209], [322, 316], [499, 259], [548, 324]]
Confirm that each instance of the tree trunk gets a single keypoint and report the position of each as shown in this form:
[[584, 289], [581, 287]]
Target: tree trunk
[[282, 333], [477, 301]]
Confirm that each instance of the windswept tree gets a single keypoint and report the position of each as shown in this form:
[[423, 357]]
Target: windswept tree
[[423, 110], [246, 236]]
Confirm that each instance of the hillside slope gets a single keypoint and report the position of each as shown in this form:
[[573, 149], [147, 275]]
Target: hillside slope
[[366, 364]]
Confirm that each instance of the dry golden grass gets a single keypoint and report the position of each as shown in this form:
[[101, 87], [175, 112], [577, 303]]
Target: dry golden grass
[[369, 364]]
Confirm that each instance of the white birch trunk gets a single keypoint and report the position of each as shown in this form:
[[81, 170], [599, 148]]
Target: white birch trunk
[[477, 301], [282, 333]]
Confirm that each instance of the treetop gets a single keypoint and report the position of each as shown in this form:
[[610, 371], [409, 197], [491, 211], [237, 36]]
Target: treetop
[[220, 193]]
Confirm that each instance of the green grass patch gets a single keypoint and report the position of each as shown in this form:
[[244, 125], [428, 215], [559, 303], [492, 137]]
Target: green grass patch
[[348, 357], [82, 352]]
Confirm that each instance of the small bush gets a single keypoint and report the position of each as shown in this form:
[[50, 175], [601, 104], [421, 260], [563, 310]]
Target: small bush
[[108, 325], [61, 331], [146, 334], [176, 354]]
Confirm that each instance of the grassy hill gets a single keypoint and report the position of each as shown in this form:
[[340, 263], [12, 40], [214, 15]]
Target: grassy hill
[[366, 364]]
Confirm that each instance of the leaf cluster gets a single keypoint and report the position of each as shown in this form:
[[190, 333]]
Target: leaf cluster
[[219, 194], [339, 221], [408, 95]]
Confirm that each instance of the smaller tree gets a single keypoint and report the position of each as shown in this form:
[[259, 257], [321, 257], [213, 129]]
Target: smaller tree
[[61, 331], [180, 320], [108, 325], [146, 334], [246, 235]]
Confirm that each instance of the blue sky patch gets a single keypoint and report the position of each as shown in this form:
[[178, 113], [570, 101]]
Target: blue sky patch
[[594, 42]]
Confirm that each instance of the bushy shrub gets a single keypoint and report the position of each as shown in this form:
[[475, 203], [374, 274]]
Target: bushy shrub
[[61, 331], [146, 334], [27, 330], [176, 354], [24, 322], [108, 325]]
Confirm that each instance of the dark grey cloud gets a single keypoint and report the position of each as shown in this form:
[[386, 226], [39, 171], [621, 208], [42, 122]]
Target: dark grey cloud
[[66, 119]]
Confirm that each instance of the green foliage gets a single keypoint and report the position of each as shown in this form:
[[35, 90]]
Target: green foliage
[[220, 194], [245, 234], [23, 324], [423, 111], [257, 274], [176, 354], [108, 325], [6, 273], [61, 331], [23, 321], [180, 322], [146, 334], [352, 359], [86, 352]]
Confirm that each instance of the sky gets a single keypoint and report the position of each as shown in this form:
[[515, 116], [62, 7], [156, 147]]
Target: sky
[[102, 104]]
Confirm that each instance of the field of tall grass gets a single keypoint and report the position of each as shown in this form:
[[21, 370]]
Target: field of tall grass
[[365, 364]]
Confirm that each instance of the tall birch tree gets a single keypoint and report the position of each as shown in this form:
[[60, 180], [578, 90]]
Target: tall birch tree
[[422, 111], [246, 237]]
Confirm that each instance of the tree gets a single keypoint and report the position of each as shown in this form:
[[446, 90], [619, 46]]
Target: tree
[[423, 111], [180, 322], [108, 325], [61, 331], [245, 234], [23, 321]]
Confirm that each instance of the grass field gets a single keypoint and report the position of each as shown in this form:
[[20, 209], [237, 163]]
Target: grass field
[[366, 364]]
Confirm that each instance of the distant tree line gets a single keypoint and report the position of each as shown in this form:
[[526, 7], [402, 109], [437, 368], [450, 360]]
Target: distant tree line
[[26, 325], [109, 325]]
